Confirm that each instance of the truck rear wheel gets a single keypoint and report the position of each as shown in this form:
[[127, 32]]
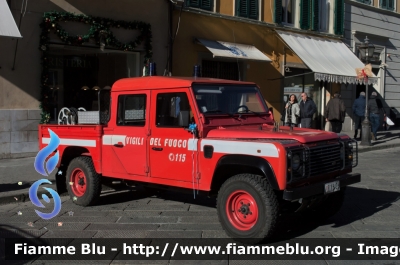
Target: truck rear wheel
[[247, 208], [83, 182]]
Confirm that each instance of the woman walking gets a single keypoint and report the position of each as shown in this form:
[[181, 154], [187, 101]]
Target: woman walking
[[292, 110]]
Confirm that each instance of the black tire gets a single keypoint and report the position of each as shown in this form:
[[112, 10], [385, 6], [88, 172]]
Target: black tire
[[330, 206], [237, 189], [82, 168]]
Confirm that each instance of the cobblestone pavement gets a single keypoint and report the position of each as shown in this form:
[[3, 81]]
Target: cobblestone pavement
[[371, 210]]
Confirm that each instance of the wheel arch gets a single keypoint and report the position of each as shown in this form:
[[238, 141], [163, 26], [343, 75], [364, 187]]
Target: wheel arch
[[231, 165], [68, 154]]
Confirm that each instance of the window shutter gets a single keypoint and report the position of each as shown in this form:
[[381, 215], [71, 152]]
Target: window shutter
[[207, 4], [242, 9], [315, 15], [390, 5], [193, 3], [339, 17], [278, 11], [253, 9], [383, 3], [368, 2], [305, 14]]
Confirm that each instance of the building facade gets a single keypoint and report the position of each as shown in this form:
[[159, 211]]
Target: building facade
[[378, 20], [69, 51], [299, 37]]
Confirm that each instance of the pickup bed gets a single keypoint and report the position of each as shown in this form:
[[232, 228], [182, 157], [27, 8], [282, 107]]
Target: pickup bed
[[214, 136]]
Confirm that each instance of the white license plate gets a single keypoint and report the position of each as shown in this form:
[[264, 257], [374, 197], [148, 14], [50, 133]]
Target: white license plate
[[332, 187]]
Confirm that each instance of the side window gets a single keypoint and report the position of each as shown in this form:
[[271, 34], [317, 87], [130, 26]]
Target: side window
[[131, 110], [173, 110]]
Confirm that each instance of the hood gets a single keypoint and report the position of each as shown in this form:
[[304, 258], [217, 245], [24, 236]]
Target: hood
[[267, 132]]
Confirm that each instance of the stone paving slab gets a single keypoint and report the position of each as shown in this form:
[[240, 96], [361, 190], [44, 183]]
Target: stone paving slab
[[196, 208], [366, 234], [184, 227], [69, 234], [80, 219], [124, 227], [214, 234], [84, 213], [174, 234], [134, 213], [181, 207], [78, 227], [209, 219], [17, 233], [148, 220], [121, 234]]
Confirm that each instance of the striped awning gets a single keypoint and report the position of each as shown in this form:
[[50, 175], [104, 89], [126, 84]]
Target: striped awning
[[330, 60]]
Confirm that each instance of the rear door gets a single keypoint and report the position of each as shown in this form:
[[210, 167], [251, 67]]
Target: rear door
[[172, 147], [130, 133]]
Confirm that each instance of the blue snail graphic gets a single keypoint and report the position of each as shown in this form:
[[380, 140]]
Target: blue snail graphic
[[45, 168]]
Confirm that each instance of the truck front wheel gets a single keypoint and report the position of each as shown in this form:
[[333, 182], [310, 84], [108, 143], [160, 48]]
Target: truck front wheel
[[83, 182], [247, 208]]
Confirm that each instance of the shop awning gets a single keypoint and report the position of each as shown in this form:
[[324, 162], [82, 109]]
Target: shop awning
[[330, 60], [234, 50], [8, 27]]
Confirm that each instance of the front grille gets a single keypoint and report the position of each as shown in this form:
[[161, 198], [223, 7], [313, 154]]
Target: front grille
[[325, 159]]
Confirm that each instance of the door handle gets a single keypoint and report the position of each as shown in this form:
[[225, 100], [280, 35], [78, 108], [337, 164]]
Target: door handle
[[119, 144], [157, 148]]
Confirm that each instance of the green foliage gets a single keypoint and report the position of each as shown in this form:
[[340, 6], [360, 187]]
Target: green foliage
[[98, 26]]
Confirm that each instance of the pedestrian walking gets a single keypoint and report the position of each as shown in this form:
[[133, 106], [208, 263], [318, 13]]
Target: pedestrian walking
[[335, 112], [307, 110], [375, 108], [292, 112], [358, 113]]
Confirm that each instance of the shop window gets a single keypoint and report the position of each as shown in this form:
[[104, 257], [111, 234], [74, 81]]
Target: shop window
[[222, 70], [202, 4], [247, 8], [131, 110], [387, 4], [172, 110]]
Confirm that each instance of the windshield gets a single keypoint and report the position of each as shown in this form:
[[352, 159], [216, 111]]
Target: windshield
[[228, 99]]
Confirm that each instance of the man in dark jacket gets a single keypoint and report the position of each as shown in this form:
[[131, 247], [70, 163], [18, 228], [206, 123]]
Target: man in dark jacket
[[374, 109], [358, 113], [307, 110], [335, 113]]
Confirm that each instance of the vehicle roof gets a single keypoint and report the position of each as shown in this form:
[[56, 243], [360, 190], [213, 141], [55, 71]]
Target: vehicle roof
[[156, 82]]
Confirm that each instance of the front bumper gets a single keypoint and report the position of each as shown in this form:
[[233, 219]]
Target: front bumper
[[318, 188]]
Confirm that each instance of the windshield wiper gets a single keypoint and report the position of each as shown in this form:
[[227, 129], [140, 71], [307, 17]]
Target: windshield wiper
[[251, 111], [218, 111]]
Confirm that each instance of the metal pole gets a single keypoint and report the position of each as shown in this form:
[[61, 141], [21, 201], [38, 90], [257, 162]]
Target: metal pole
[[366, 126]]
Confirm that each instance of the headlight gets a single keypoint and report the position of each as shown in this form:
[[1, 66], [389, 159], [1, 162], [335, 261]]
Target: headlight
[[296, 162]]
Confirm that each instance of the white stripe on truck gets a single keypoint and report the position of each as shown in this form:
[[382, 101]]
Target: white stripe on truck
[[74, 142], [243, 148]]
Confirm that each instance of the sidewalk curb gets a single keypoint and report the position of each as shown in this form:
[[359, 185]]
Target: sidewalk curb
[[377, 147]]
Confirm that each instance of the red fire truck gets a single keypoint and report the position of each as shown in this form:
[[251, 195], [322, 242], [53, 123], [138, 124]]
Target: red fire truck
[[213, 136]]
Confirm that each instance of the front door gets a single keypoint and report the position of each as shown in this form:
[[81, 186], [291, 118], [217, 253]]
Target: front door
[[130, 134], [171, 146]]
